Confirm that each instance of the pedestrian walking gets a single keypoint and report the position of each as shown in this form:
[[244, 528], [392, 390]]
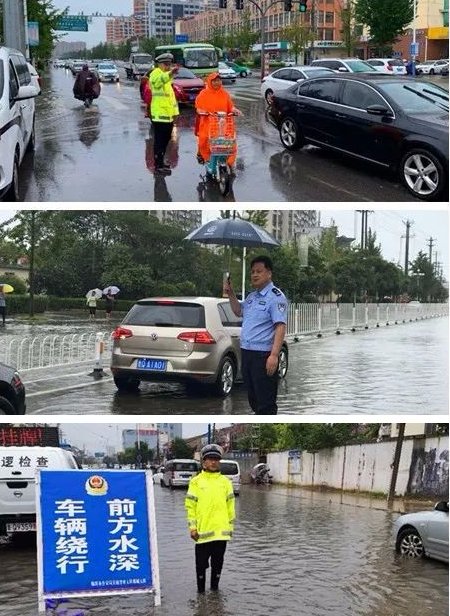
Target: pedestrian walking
[[163, 108], [109, 300], [2, 305], [91, 302], [264, 317], [210, 511]]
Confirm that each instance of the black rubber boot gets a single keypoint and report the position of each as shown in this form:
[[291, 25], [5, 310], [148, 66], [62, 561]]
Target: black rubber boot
[[201, 582]]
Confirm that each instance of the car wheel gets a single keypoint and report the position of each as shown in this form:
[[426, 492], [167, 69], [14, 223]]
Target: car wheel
[[283, 363], [12, 194], [268, 96], [409, 543], [290, 134], [6, 407], [423, 174], [431, 71], [126, 383], [162, 484], [225, 377], [244, 74], [32, 142]]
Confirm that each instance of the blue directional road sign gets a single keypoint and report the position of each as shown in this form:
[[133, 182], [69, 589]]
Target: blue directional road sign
[[181, 38], [96, 533], [72, 23], [414, 49]]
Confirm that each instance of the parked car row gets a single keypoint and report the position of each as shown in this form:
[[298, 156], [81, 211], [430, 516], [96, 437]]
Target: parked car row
[[178, 472]]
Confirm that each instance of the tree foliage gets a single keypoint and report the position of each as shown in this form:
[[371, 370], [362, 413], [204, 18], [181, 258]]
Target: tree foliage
[[45, 13], [351, 30], [385, 19], [180, 449], [298, 35]]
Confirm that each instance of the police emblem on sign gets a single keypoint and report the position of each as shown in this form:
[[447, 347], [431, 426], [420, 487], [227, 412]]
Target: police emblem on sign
[[281, 307]]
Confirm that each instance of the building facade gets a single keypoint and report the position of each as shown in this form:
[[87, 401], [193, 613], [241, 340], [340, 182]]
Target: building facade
[[173, 430], [119, 29], [164, 13], [286, 225], [326, 21], [188, 219], [431, 31], [146, 435]]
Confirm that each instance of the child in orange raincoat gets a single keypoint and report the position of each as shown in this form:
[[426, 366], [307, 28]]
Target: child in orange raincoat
[[212, 99]]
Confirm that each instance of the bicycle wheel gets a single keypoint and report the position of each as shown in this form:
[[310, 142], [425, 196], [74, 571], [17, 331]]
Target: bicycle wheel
[[224, 180]]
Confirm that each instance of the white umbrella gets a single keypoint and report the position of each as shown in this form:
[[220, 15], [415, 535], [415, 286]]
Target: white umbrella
[[97, 293], [111, 290]]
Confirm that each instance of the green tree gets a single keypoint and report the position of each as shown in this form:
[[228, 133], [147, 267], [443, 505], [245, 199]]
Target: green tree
[[385, 19], [298, 35], [180, 449], [218, 37], [20, 288], [45, 13], [244, 35], [351, 31]]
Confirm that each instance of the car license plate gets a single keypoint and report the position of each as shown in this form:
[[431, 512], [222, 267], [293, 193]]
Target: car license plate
[[148, 363], [20, 527]]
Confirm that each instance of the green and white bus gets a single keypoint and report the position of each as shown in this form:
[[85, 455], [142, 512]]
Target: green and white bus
[[200, 58]]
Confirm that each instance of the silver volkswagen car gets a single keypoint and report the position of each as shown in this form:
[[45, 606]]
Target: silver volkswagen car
[[424, 533], [186, 339]]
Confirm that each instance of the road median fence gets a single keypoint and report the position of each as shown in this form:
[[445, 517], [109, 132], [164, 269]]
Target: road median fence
[[49, 351]]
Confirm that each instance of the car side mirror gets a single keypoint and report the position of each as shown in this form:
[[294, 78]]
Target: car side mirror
[[342, 69], [379, 110], [441, 506], [26, 92]]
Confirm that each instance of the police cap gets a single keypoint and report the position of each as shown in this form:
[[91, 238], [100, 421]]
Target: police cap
[[164, 57], [211, 451]]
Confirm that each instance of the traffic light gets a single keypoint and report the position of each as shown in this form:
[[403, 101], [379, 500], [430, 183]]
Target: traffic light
[[288, 5], [222, 4], [303, 6], [239, 4]]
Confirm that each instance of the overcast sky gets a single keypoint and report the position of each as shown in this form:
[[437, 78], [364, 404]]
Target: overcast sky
[[96, 437], [97, 28], [388, 225]]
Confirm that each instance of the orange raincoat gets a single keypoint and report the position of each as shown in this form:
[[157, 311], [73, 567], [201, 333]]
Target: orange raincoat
[[211, 100]]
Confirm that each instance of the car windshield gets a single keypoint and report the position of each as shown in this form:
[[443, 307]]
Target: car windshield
[[107, 67], [359, 66], [166, 314], [223, 65], [416, 97], [318, 72], [228, 468], [200, 58], [186, 466], [142, 59], [395, 62], [184, 73]]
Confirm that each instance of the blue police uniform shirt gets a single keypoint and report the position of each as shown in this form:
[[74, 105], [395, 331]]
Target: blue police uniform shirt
[[261, 310]]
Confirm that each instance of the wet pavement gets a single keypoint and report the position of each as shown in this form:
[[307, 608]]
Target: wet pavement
[[396, 369], [293, 552], [105, 154]]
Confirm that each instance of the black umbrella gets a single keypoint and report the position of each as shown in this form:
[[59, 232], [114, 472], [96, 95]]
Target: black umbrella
[[233, 232]]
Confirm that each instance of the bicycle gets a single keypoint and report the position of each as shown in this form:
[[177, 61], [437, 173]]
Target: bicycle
[[222, 143]]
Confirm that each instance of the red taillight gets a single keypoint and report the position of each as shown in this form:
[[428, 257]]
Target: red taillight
[[203, 337], [165, 302], [121, 332], [390, 68], [177, 89]]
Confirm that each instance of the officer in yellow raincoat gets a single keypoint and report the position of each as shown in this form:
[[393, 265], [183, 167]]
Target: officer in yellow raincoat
[[163, 108], [210, 512]]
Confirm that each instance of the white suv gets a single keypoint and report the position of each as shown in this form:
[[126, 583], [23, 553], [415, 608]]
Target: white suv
[[17, 94], [345, 65]]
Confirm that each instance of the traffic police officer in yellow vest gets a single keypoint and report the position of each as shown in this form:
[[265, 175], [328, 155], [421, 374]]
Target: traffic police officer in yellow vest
[[210, 512], [264, 318], [163, 108]]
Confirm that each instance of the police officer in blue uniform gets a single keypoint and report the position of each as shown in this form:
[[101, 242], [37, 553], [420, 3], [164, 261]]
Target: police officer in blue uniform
[[264, 317]]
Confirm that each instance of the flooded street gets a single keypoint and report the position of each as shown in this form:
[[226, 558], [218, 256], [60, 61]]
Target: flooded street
[[294, 552], [96, 141], [395, 369]]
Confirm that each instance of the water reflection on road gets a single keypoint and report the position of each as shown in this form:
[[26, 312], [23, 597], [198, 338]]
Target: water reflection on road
[[294, 552]]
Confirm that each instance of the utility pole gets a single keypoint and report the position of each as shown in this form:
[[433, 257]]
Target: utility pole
[[32, 250], [14, 33], [431, 241], [408, 224], [396, 463], [364, 227]]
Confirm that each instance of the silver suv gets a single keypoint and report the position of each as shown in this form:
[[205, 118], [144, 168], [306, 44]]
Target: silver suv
[[345, 65], [187, 339]]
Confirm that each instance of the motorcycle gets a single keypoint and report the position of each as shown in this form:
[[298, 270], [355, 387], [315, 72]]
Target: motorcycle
[[260, 475], [222, 143], [89, 92]]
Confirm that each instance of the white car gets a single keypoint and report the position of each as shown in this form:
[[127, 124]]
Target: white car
[[345, 65], [226, 73], [424, 533], [107, 71], [17, 119], [390, 66], [284, 78], [431, 67]]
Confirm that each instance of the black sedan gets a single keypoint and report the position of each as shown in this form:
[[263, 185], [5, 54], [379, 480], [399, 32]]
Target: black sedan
[[12, 392], [395, 122]]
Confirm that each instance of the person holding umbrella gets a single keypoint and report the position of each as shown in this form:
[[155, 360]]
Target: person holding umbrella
[[110, 297], [2, 304], [264, 318], [91, 301]]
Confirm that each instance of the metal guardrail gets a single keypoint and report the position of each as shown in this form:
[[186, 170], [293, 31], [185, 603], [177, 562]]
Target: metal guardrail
[[52, 351]]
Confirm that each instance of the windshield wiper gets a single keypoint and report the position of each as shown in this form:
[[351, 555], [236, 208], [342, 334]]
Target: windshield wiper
[[427, 98], [436, 94]]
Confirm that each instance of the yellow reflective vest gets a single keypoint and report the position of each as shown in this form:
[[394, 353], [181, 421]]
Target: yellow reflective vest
[[210, 507], [164, 106]]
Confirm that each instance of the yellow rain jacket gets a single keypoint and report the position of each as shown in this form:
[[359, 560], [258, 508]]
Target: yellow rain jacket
[[164, 106], [210, 507]]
